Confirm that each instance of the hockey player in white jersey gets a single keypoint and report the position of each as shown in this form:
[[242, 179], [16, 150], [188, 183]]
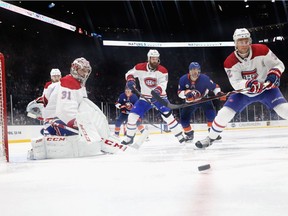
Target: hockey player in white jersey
[[39, 105], [252, 66], [152, 77], [79, 128]]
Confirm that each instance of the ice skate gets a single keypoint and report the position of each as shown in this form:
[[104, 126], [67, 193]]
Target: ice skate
[[189, 136], [218, 137], [180, 137], [204, 143], [128, 140]]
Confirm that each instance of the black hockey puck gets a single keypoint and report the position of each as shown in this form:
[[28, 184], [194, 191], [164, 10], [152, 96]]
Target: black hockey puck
[[204, 167]]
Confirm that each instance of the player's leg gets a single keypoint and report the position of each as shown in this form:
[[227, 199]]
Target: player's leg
[[236, 103], [172, 123], [142, 128], [138, 110], [275, 100], [120, 120], [210, 114], [185, 117]]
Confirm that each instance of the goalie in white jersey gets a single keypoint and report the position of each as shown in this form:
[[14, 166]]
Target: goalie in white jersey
[[152, 77], [79, 127], [252, 66]]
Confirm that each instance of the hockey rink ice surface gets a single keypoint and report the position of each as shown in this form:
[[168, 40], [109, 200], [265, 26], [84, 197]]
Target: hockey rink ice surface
[[248, 177]]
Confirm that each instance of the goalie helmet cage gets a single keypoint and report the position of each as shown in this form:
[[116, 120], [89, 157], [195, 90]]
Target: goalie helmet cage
[[4, 153]]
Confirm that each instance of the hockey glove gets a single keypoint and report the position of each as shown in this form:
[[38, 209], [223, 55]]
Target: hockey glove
[[273, 78], [131, 84], [255, 86], [223, 98], [118, 105], [192, 95], [158, 91]]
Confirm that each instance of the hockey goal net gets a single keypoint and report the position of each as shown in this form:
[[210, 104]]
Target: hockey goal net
[[3, 113]]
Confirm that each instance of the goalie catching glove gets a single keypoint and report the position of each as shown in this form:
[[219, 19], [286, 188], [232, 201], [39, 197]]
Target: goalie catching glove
[[35, 108]]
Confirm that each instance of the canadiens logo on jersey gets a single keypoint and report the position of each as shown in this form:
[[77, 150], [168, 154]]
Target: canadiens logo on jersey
[[150, 82], [248, 75]]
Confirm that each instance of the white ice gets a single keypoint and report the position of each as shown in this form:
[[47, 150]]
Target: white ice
[[248, 176]]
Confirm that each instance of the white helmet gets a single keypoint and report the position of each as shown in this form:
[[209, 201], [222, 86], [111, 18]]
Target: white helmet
[[83, 66], [55, 72], [153, 53], [241, 33]]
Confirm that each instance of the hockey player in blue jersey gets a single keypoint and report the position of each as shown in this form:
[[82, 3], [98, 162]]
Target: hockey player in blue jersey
[[124, 103], [192, 87]]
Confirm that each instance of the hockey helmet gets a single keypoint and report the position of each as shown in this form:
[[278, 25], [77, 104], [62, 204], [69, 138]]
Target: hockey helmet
[[194, 65], [153, 53], [241, 33], [55, 72], [80, 69]]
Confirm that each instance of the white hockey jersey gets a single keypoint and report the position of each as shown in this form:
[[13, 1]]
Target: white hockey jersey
[[70, 94], [149, 79], [256, 66], [50, 100]]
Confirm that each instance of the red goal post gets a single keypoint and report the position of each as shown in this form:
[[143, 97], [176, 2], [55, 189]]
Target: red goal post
[[4, 153]]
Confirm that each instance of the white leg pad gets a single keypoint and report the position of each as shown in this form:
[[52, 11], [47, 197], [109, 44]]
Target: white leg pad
[[63, 147]]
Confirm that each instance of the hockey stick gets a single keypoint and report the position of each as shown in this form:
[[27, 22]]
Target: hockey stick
[[148, 101], [179, 106]]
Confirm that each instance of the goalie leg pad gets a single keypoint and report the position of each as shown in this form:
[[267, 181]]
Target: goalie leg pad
[[38, 148], [63, 147]]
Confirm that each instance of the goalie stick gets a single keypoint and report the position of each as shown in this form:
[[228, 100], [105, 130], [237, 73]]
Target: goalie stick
[[50, 121]]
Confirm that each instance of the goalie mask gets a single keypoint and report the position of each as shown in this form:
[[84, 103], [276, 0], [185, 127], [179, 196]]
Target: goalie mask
[[80, 69], [55, 74], [153, 58]]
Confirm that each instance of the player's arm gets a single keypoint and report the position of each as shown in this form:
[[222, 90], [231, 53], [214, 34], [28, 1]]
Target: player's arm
[[118, 103], [276, 68], [161, 83], [181, 89], [130, 78], [235, 77]]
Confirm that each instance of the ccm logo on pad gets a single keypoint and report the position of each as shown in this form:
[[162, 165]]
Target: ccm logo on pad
[[55, 139]]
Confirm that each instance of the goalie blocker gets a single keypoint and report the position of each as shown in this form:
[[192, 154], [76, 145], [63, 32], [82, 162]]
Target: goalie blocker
[[93, 138]]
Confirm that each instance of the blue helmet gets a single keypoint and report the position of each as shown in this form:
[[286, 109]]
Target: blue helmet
[[194, 65]]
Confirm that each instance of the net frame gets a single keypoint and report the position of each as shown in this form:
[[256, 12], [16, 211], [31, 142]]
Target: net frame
[[4, 152]]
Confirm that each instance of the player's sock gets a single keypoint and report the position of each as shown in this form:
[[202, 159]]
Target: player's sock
[[218, 137]]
